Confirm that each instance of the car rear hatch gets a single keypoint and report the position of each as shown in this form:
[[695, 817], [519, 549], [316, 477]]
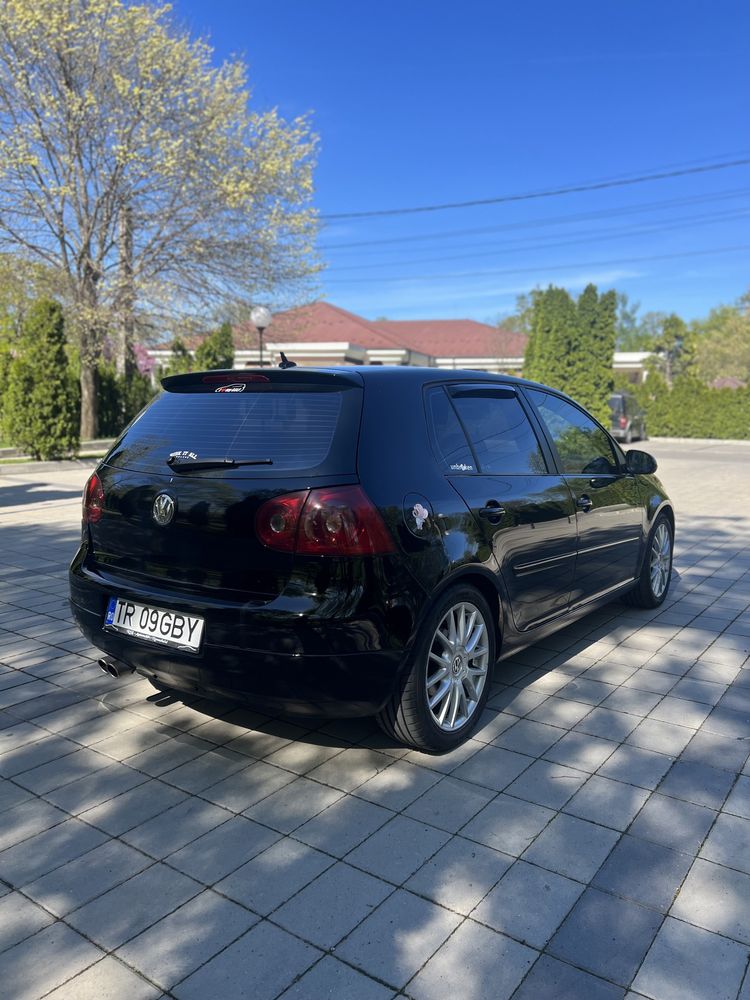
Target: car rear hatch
[[219, 445]]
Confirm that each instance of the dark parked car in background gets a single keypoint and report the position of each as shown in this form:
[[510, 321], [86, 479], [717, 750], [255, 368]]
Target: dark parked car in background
[[628, 419], [359, 541]]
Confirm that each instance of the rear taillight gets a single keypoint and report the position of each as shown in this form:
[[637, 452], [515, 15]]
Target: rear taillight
[[623, 422], [277, 520], [93, 500], [337, 520]]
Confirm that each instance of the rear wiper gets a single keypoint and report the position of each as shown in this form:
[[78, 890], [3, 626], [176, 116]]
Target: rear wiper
[[185, 465]]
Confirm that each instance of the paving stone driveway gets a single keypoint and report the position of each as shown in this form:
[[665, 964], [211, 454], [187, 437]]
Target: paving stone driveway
[[592, 842]]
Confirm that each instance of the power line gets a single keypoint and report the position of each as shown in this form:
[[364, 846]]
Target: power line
[[540, 268], [580, 238], [550, 193], [553, 220]]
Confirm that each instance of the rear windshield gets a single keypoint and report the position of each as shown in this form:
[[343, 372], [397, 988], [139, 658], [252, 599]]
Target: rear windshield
[[313, 430]]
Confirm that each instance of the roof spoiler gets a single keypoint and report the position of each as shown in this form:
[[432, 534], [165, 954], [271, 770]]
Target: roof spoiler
[[240, 380]]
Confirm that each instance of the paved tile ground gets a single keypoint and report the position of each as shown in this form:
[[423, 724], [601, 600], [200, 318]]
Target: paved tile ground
[[591, 841]]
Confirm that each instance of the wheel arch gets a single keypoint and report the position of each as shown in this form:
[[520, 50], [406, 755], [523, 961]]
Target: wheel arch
[[488, 585], [655, 506]]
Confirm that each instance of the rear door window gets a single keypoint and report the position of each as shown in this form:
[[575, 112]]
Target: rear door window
[[448, 439], [308, 430], [500, 433]]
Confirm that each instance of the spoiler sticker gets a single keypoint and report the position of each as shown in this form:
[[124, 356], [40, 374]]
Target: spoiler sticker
[[184, 455], [232, 387]]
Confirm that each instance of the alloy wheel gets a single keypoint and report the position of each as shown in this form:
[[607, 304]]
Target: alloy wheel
[[457, 666], [661, 559]]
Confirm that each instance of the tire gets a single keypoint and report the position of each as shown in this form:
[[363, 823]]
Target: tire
[[656, 572], [467, 647]]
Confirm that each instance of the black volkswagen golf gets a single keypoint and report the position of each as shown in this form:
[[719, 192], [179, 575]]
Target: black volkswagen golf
[[359, 541]]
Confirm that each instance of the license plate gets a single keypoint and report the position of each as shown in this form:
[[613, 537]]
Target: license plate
[[168, 628]]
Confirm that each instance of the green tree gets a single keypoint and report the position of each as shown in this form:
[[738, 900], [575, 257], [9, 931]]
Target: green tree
[[41, 405], [180, 361], [722, 345], [572, 343], [629, 335], [121, 396], [133, 166], [216, 350], [553, 327], [583, 376], [590, 377], [519, 321], [602, 347], [673, 349], [692, 409]]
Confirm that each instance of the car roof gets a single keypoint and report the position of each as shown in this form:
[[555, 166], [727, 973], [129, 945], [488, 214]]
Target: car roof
[[420, 375], [404, 375]]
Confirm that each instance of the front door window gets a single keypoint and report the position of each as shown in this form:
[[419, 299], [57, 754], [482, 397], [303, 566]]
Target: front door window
[[583, 447]]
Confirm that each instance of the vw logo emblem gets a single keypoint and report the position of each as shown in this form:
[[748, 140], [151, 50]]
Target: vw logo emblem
[[163, 509]]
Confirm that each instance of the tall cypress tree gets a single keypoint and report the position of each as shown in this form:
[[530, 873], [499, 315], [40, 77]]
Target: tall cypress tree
[[587, 315], [541, 349], [553, 327], [531, 354], [604, 338], [572, 344], [42, 404]]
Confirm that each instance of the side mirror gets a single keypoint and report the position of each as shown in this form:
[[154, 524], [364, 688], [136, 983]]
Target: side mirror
[[640, 463]]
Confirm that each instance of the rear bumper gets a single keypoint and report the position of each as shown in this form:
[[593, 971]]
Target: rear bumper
[[274, 656]]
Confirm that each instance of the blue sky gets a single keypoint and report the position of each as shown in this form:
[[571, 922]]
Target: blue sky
[[421, 103]]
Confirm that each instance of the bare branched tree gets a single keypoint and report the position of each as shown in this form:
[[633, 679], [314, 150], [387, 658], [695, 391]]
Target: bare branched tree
[[135, 168]]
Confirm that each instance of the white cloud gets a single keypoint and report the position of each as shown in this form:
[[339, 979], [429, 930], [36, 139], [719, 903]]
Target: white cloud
[[469, 298]]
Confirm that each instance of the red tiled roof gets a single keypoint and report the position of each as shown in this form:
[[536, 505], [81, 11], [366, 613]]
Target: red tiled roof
[[319, 322], [456, 338], [322, 322]]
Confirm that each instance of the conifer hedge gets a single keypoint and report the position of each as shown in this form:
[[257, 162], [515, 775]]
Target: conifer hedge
[[692, 409], [41, 402]]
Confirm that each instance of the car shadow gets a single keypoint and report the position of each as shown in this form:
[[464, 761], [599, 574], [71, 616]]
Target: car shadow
[[17, 495]]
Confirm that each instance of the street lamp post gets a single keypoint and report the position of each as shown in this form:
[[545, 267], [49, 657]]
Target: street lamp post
[[261, 318]]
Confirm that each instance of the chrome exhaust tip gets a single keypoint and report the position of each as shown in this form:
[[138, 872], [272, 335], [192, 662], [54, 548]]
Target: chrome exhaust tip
[[113, 668]]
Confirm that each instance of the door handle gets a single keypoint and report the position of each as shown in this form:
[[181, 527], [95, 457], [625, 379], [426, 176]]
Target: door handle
[[584, 503], [492, 511]]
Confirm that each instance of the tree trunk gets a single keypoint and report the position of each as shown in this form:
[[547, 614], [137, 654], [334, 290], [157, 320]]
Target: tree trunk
[[90, 352], [125, 324], [89, 400]]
